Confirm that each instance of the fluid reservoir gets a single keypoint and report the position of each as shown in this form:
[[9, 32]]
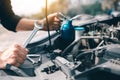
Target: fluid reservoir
[[67, 31]]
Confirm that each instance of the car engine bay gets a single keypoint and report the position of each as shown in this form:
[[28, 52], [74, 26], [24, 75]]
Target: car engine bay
[[91, 53]]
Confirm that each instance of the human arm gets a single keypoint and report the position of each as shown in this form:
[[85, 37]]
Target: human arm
[[28, 24], [14, 55], [16, 23], [7, 17]]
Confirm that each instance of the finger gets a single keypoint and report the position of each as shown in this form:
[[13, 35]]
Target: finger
[[18, 55], [53, 27], [17, 64], [58, 15], [57, 19], [56, 23], [16, 58], [22, 54], [13, 62], [18, 52], [24, 50], [21, 57]]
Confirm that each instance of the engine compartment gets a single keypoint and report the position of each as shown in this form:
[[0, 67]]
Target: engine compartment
[[93, 55]]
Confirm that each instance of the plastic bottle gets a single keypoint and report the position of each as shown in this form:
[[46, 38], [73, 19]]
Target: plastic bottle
[[67, 31]]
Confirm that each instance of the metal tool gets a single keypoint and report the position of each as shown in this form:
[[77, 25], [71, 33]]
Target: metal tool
[[30, 56], [31, 60], [40, 59], [62, 17], [17, 70], [34, 31], [33, 55]]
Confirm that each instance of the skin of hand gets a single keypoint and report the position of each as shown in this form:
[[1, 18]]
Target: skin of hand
[[14, 55], [28, 24], [53, 22]]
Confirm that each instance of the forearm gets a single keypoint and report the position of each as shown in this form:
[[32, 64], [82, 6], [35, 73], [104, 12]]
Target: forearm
[[26, 24]]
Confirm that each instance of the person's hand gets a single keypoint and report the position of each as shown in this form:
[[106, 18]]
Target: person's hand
[[15, 55], [53, 21]]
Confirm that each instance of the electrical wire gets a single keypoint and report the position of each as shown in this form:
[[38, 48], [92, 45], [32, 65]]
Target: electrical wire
[[46, 13]]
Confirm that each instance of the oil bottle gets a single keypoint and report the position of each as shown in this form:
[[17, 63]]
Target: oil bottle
[[67, 31]]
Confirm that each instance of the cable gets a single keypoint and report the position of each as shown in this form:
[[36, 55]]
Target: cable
[[46, 13]]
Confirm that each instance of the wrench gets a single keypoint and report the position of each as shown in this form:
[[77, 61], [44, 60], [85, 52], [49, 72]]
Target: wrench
[[34, 31], [31, 60], [30, 37]]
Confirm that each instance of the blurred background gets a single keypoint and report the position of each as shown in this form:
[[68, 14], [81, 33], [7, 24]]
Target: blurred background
[[35, 9]]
